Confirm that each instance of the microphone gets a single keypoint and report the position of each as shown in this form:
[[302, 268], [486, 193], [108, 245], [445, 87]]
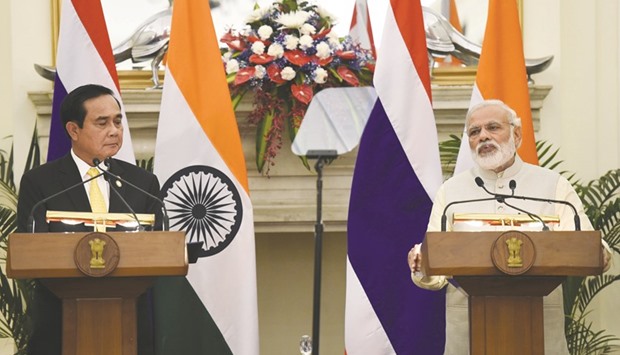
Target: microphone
[[502, 199], [107, 178], [119, 180], [513, 185], [31, 221]]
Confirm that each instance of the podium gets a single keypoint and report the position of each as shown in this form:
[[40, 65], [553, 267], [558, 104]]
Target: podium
[[505, 276], [98, 277]]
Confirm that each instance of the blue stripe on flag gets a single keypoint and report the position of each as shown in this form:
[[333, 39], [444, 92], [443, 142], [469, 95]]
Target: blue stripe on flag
[[388, 214], [59, 143]]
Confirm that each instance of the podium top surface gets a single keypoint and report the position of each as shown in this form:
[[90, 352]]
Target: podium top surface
[[560, 253], [51, 255]]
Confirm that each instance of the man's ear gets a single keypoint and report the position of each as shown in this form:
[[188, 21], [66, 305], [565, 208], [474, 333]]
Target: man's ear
[[72, 128], [518, 134]]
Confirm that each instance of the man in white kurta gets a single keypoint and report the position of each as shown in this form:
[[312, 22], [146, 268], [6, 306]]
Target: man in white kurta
[[494, 134]]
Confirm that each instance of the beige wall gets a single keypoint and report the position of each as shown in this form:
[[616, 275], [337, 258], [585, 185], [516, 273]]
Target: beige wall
[[25, 40], [580, 116], [285, 268]]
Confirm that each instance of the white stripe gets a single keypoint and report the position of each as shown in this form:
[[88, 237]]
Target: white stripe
[[363, 332], [225, 282], [408, 106], [79, 63], [359, 32], [464, 161]]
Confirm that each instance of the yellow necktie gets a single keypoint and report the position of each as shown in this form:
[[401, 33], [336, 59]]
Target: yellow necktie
[[97, 202]]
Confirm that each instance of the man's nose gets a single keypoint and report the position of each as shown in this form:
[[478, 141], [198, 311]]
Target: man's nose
[[115, 130], [483, 135]]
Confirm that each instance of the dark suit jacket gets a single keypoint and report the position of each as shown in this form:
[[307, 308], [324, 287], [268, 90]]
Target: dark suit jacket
[[62, 173], [44, 181]]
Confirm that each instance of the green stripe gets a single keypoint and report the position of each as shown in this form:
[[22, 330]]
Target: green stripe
[[182, 323]]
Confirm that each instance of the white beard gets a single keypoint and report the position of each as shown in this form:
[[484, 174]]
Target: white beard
[[501, 156]]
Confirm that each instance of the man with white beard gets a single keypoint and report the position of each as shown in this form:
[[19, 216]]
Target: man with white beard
[[494, 133]]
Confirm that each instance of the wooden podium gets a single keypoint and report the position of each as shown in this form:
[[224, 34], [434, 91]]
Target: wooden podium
[[98, 284], [506, 275]]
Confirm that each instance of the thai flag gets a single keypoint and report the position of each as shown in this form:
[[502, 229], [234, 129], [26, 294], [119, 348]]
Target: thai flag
[[361, 29], [396, 176], [84, 56]]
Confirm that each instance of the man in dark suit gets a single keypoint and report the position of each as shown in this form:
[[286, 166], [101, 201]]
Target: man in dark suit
[[92, 118]]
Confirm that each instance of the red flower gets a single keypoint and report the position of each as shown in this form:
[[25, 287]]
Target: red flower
[[261, 58], [233, 42], [274, 74], [253, 39], [322, 62], [347, 75], [244, 74], [324, 31], [371, 67], [347, 55], [297, 57], [302, 92]]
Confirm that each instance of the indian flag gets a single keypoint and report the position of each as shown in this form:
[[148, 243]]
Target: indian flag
[[502, 75], [199, 160]]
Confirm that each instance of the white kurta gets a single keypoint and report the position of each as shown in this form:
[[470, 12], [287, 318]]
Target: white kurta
[[531, 181]]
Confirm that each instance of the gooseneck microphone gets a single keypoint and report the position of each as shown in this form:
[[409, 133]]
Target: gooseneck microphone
[[139, 227], [31, 221], [502, 199], [165, 223], [513, 185]]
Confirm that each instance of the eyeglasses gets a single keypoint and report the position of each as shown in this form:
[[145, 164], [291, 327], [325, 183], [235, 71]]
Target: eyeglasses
[[491, 127]]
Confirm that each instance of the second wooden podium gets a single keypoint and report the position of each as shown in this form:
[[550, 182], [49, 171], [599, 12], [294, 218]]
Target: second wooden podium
[[506, 275], [98, 277]]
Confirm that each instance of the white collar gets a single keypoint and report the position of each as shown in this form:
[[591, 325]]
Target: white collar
[[83, 166]]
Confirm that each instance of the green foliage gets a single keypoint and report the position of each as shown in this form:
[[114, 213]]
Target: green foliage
[[146, 164], [601, 199], [14, 294], [448, 152]]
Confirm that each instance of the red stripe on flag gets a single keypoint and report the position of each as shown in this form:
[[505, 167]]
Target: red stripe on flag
[[408, 16], [90, 13]]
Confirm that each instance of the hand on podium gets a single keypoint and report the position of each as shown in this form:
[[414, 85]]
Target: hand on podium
[[417, 274], [415, 260]]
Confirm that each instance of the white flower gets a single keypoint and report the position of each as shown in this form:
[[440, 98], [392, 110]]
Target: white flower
[[332, 38], [275, 50], [307, 29], [245, 30], [232, 66], [258, 47], [293, 19], [305, 42], [323, 50], [325, 14], [288, 73], [226, 57], [320, 75], [291, 42], [258, 14], [264, 32], [260, 71]]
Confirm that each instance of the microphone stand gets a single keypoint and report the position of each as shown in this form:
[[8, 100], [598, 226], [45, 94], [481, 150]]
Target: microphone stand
[[323, 157]]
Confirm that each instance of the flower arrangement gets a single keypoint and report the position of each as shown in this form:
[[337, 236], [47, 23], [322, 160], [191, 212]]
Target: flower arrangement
[[285, 53]]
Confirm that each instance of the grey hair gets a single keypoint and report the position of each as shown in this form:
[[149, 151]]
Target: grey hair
[[513, 120]]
